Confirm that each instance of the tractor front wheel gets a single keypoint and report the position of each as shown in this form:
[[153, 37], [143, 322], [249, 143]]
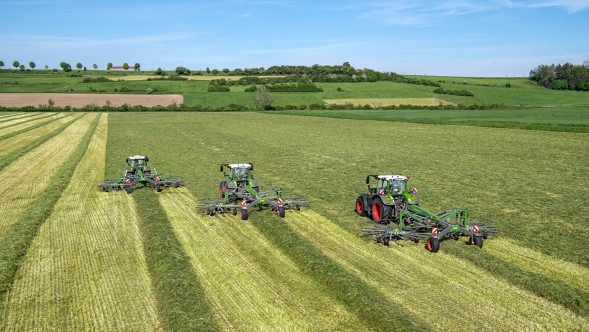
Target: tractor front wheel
[[243, 214], [433, 244], [380, 212], [476, 241], [281, 212]]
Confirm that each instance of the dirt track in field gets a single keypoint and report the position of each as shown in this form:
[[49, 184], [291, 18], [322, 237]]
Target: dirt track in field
[[83, 99]]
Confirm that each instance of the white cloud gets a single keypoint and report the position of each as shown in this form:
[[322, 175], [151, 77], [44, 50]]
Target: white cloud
[[572, 6]]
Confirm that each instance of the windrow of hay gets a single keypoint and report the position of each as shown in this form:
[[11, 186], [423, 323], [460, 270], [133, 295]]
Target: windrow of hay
[[376, 102], [85, 270], [16, 142], [250, 283], [530, 260], [28, 124], [14, 116], [29, 175], [7, 126], [9, 114], [424, 283]]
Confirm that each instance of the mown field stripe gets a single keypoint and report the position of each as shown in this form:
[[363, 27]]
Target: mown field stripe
[[19, 236], [88, 254], [28, 176], [8, 115], [17, 116], [357, 296], [29, 118], [536, 262], [252, 285], [556, 291], [15, 155], [423, 283], [30, 126], [181, 301]]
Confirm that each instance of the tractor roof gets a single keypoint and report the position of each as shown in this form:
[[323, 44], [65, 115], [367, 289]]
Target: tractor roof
[[239, 166], [392, 177], [135, 157]]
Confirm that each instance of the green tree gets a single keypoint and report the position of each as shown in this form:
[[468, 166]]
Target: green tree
[[65, 66], [95, 66], [1, 63], [15, 64], [79, 65], [226, 70], [137, 66], [158, 71], [109, 66], [263, 98], [32, 65], [46, 67], [22, 67], [125, 66], [208, 70], [215, 71]]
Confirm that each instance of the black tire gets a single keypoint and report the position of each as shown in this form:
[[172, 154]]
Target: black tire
[[380, 212], [281, 211], [158, 188], [385, 241], [455, 236], [433, 244], [105, 189], [128, 188], [476, 241], [243, 214], [234, 211], [362, 206]]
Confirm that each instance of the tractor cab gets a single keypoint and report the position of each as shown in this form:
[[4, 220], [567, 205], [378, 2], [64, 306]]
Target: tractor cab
[[394, 185], [137, 162], [240, 173]]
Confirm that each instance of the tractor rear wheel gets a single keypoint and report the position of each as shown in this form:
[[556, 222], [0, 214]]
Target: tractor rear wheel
[[281, 212], [129, 190], [362, 206], [243, 214], [380, 212], [433, 244], [476, 241]]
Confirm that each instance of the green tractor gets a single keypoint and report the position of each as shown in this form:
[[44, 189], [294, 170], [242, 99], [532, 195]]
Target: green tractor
[[383, 202], [241, 192], [398, 216], [138, 171]]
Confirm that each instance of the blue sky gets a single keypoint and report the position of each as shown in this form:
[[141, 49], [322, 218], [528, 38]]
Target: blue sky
[[446, 37]]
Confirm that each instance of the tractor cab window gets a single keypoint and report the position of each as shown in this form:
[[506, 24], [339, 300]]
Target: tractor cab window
[[137, 163], [382, 184], [241, 174], [397, 187]]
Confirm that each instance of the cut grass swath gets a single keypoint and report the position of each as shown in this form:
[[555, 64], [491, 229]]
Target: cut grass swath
[[88, 254], [6, 115], [19, 236], [573, 298], [15, 117], [355, 294], [18, 139], [7, 159], [27, 177], [181, 301], [251, 285], [24, 127], [5, 126], [533, 261], [464, 296]]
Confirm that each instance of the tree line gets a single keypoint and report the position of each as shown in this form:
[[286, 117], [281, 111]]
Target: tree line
[[67, 67], [562, 77]]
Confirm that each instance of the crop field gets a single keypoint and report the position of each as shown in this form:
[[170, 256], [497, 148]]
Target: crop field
[[75, 258]]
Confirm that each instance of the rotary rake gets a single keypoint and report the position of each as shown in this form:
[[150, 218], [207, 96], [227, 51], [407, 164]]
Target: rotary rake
[[397, 215], [139, 172], [240, 192]]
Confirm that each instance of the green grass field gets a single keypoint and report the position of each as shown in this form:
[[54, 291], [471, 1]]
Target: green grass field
[[523, 92]]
